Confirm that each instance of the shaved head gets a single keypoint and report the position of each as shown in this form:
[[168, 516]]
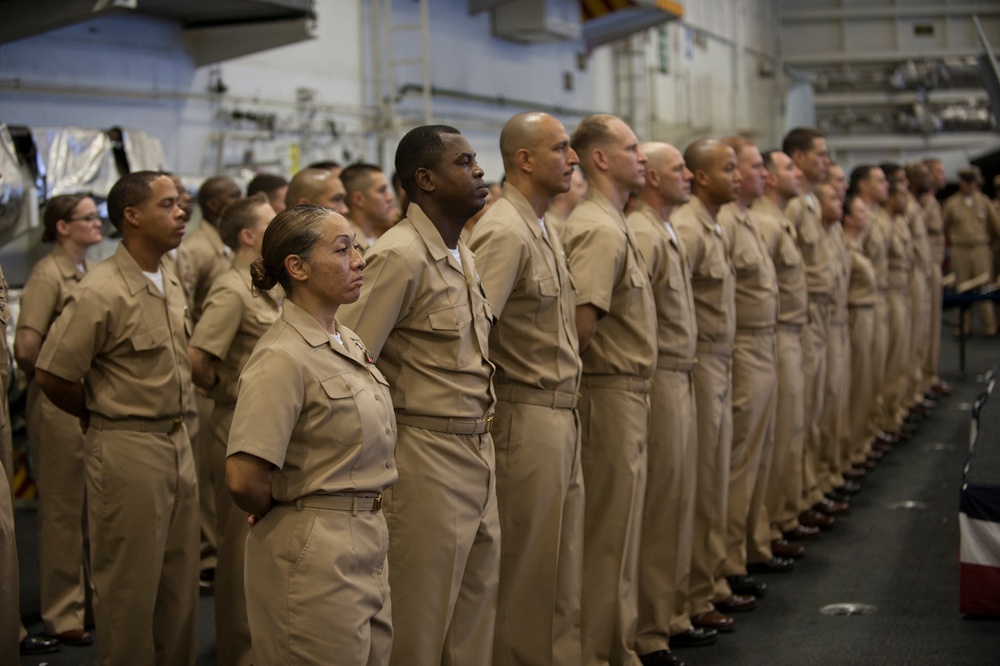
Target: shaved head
[[700, 155], [522, 131], [659, 154], [215, 194], [316, 186]]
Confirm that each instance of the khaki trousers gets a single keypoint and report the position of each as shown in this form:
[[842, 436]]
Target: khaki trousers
[[10, 619], [614, 429], [880, 358], [714, 400], [967, 262], [232, 629], [755, 397], [541, 502], [143, 512], [317, 587], [897, 377], [444, 548], [668, 510], [815, 338], [56, 443], [201, 445], [933, 359], [784, 485], [838, 368], [856, 434]]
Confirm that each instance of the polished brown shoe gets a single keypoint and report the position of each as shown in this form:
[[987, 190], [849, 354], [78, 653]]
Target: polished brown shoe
[[943, 387], [887, 438], [76, 637], [866, 465], [784, 549], [830, 507], [713, 619], [853, 473], [875, 454], [737, 603], [882, 447], [812, 518], [801, 532]]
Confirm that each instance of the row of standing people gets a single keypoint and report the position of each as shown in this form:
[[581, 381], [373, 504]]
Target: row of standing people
[[448, 406]]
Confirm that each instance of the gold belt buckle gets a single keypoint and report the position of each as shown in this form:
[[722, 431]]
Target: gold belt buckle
[[377, 503], [489, 423], [177, 420]]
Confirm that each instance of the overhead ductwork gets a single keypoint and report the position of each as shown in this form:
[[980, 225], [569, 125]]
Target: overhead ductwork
[[213, 31]]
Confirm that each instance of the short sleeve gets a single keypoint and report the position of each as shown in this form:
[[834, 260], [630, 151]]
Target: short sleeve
[[268, 407], [76, 337], [39, 301], [596, 255], [220, 320]]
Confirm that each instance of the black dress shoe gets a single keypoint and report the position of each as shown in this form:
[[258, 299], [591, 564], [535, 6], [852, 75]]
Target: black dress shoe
[[660, 658], [853, 474], [39, 645], [834, 496], [745, 585], [773, 565], [694, 637], [943, 388]]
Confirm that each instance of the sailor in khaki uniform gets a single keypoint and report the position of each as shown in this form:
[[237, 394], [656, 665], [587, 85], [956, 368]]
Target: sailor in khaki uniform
[[233, 318], [370, 201], [871, 185], [672, 462], [935, 237], [838, 347], [320, 187], [969, 222], [72, 223], [116, 358], [716, 182], [201, 258], [424, 317], [900, 259], [755, 382], [535, 434], [310, 453], [784, 494], [808, 150], [616, 325], [861, 302]]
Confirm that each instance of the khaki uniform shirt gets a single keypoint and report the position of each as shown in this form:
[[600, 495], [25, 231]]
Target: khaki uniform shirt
[[862, 289], [900, 253], [202, 257], [526, 275], [756, 280], [234, 318], [918, 231], [667, 265], [713, 278], [782, 243], [840, 256], [125, 340], [49, 285], [427, 321], [969, 221], [317, 410], [803, 211], [875, 242], [611, 276], [935, 229]]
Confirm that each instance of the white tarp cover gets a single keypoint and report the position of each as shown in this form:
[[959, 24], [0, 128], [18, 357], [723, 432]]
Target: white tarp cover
[[11, 186]]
